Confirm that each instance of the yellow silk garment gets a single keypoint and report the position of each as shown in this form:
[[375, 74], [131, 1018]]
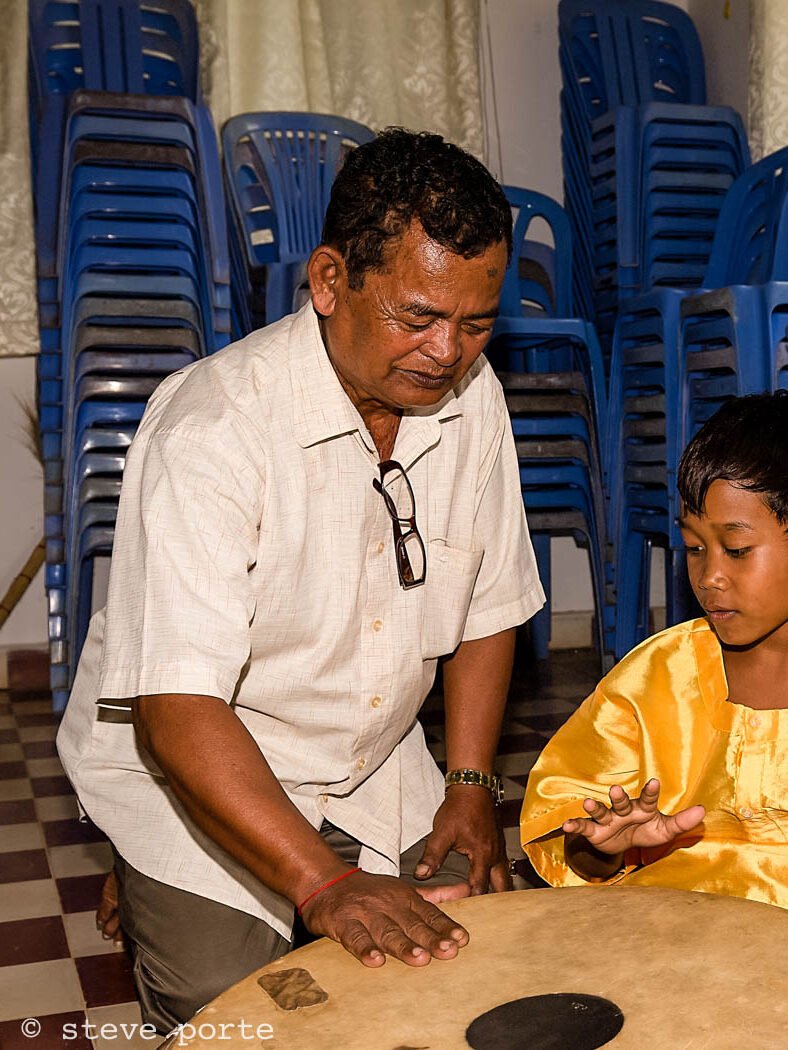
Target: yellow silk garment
[[663, 711]]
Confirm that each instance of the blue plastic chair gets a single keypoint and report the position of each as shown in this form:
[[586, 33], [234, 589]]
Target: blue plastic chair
[[114, 45], [625, 52], [279, 169], [560, 382]]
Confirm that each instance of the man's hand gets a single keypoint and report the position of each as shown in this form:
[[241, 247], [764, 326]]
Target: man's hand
[[631, 823], [467, 823], [107, 918], [373, 916]]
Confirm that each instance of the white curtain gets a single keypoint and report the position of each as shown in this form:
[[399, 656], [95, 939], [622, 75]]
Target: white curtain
[[768, 76], [408, 62], [18, 319]]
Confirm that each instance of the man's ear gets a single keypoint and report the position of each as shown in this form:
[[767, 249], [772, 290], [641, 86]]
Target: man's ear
[[326, 272]]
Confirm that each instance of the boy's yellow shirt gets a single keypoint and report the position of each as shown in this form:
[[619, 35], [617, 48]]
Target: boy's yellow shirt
[[663, 711]]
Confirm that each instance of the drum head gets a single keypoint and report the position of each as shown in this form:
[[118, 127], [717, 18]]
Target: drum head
[[570, 969]]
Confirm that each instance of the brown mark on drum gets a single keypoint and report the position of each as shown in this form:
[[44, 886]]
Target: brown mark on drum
[[293, 989]]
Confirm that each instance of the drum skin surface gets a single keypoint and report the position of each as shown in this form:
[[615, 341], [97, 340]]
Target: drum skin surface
[[688, 971]]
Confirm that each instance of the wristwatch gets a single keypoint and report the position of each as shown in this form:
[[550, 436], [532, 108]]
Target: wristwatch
[[476, 777]]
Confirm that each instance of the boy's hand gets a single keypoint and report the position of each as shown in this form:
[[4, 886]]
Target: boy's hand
[[631, 822]]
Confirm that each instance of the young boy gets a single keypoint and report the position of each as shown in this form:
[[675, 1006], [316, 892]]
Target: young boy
[[694, 721]]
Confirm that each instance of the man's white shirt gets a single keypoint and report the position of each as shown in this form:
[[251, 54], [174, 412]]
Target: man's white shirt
[[254, 562]]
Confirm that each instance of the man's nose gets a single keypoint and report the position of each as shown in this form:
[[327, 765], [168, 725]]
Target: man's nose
[[443, 346]]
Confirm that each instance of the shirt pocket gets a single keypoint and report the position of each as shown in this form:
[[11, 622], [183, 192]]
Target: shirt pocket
[[448, 589]]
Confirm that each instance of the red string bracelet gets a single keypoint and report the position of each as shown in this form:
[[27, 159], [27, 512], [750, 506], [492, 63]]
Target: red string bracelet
[[331, 882]]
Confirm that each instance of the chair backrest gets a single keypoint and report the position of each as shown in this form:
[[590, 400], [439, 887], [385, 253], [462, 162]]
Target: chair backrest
[[751, 239], [538, 277], [114, 45], [279, 169], [626, 52]]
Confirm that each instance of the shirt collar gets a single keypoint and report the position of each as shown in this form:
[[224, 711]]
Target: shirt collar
[[322, 410], [711, 674]]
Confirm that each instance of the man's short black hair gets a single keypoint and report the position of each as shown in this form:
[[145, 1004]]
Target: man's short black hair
[[745, 442], [401, 176]]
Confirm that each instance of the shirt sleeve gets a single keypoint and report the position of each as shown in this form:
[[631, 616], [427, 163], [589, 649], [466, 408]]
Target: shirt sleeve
[[507, 591], [180, 605], [598, 746]]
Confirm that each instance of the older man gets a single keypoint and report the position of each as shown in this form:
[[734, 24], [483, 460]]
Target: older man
[[309, 520]]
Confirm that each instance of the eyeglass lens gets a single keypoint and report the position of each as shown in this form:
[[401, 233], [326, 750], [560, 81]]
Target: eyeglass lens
[[397, 493]]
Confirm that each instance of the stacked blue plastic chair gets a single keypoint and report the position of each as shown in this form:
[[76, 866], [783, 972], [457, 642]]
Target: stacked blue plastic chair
[[279, 169], [551, 368], [677, 357], [704, 147], [133, 265], [646, 162], [732, 340]]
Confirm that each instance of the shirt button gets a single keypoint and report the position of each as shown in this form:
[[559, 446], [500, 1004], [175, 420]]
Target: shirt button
[[377, 625], [376, 701], [746, 812], [755, 721], [361, 763], [324, 799], [381, 548]]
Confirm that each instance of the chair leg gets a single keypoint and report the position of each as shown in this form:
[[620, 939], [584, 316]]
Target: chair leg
[[540, 623], [630, 584], [680, 602]]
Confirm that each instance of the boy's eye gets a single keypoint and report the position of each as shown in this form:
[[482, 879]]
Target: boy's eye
[[689, 549], [737, 552]]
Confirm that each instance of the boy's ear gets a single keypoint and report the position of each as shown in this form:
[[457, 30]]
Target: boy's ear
[[326, 272]]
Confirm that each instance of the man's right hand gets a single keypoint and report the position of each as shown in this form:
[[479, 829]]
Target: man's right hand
[[373, 916]]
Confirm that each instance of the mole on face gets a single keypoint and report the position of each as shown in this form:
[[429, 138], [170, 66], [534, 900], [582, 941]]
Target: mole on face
[[547, 1022]]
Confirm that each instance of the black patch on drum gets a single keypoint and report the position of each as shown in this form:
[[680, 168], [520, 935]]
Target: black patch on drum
[[564, 1021]]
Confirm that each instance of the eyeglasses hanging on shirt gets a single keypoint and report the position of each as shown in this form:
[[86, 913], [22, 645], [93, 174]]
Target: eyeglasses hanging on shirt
[[397, 493]]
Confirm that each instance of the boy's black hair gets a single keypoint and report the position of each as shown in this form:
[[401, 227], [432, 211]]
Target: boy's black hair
[[745, 442], [401, 176]]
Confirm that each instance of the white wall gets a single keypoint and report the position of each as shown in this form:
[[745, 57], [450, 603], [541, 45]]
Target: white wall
[[523, 40], [725, 49]]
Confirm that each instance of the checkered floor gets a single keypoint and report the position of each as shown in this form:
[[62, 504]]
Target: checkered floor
[[54, 965]]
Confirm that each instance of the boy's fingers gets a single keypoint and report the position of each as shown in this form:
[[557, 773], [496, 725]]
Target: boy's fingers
[[649, 796], [685, 820], [620, 801], [596, 811], [578, 826]]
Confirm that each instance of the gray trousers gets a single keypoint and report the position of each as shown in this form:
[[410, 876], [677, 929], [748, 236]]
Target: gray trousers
[[188, 949]]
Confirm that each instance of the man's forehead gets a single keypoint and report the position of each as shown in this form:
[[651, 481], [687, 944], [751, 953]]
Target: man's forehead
[[415, 241]]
